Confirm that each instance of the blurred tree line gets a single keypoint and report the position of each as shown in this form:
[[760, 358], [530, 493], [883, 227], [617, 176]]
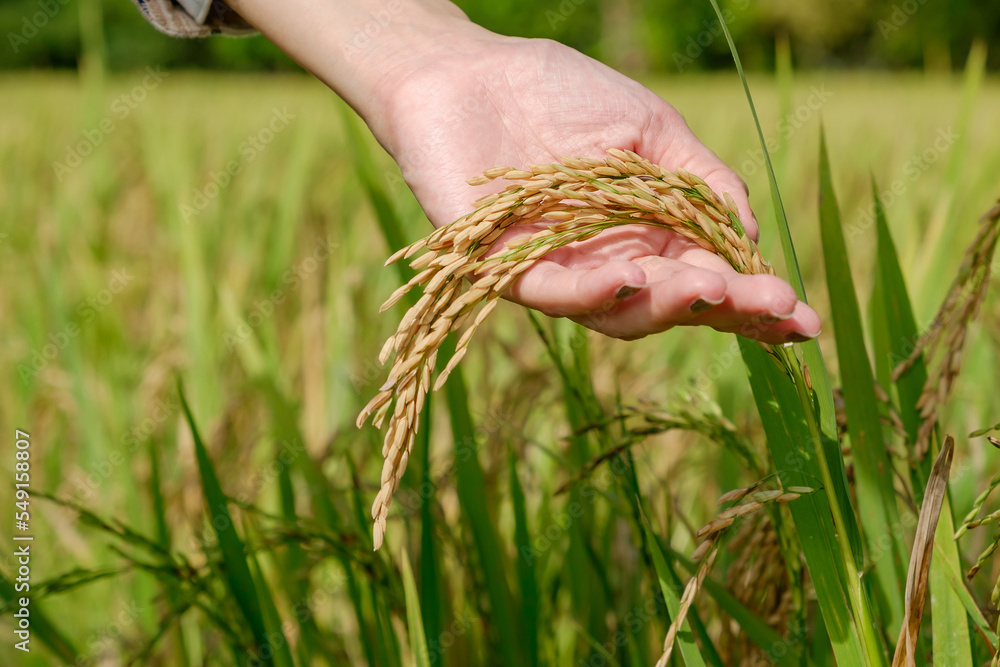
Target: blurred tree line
[[633, 35]]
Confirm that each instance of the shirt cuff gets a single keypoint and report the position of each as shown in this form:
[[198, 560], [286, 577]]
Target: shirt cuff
[[170, 18]]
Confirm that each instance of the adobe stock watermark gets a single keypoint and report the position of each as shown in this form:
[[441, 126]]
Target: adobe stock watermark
[[561, 13], [263, 309], [633, 621], [899, 16], [723, 361], [422, 155], [103, 642], [121, 108], [366, 33], [290, 451], [30, 25], [248, 149], [913, 169], [89, 482], [562, 520], [411, 500], [785, 127], [86, 312], [695, 45], [264, 475], [303, 610]]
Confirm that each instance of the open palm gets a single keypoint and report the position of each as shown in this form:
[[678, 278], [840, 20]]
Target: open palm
[[518, 102]]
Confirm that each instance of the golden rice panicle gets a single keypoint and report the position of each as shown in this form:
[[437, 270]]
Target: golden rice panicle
[[577, 198]]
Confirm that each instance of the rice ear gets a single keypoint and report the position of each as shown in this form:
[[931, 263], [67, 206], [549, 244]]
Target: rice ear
[[575, 199]]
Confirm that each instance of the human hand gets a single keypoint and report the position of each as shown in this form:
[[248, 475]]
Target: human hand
[[449, 99], [521, 102]]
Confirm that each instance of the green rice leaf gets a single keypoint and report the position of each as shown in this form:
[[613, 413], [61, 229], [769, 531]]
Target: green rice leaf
[[526, 576], [958, 586], [163, 539], [237, 573], [901, 328], [787, 438], [414, 620], [597, 647], [474, 503], [277, 641], [950, 631], [876, 495], [672, 590], [787, 247], [432, 586]]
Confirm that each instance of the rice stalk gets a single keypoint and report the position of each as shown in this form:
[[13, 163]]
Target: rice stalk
[[576, 200], [942, 344], [712, 533]]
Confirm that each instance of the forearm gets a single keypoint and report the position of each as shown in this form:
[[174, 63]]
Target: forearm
[[361, 48]]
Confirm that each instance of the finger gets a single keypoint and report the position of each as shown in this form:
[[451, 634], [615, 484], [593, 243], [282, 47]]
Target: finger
[[802, 325], [761, 307], [561, 292], [752, 296], [764, 308], [680, 292]]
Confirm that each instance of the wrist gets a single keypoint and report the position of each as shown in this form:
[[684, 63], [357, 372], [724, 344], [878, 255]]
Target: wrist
[[375, 65], [364, 49]]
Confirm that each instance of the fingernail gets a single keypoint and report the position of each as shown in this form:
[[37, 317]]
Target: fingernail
[[796, 337], [701, 305], [625, 291]]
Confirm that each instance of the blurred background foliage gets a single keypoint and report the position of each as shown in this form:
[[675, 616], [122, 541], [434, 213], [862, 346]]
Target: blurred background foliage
[[662, 35], [103, 408]]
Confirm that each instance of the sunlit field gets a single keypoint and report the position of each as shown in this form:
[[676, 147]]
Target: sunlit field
[[163, 227]]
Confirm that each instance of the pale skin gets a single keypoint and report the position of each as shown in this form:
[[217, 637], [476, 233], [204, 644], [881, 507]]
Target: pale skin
[[448, 99]]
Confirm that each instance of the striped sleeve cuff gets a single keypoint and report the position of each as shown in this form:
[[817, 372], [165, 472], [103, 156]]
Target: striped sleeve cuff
[[169, 17]]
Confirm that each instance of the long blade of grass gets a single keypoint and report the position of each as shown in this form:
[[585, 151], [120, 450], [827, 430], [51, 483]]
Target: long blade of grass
[[294, 571], [965, 597], [577, 561], [950, 631], [630, 487], [388, 220], [526, 576], [285, 417], [387, 644], [902, 335], [277, 642], [787, 247], [876, 495], [671, 596], [812, 355], [787, 438], [936, 236], [597, 647], [237, 573], [471, 486], [414, 619], [432, 585], [163, 539]]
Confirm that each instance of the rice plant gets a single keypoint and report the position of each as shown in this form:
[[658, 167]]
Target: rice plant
[[574, 504]]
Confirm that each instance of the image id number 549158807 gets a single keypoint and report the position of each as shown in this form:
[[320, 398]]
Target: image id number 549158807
[[22, 498]]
